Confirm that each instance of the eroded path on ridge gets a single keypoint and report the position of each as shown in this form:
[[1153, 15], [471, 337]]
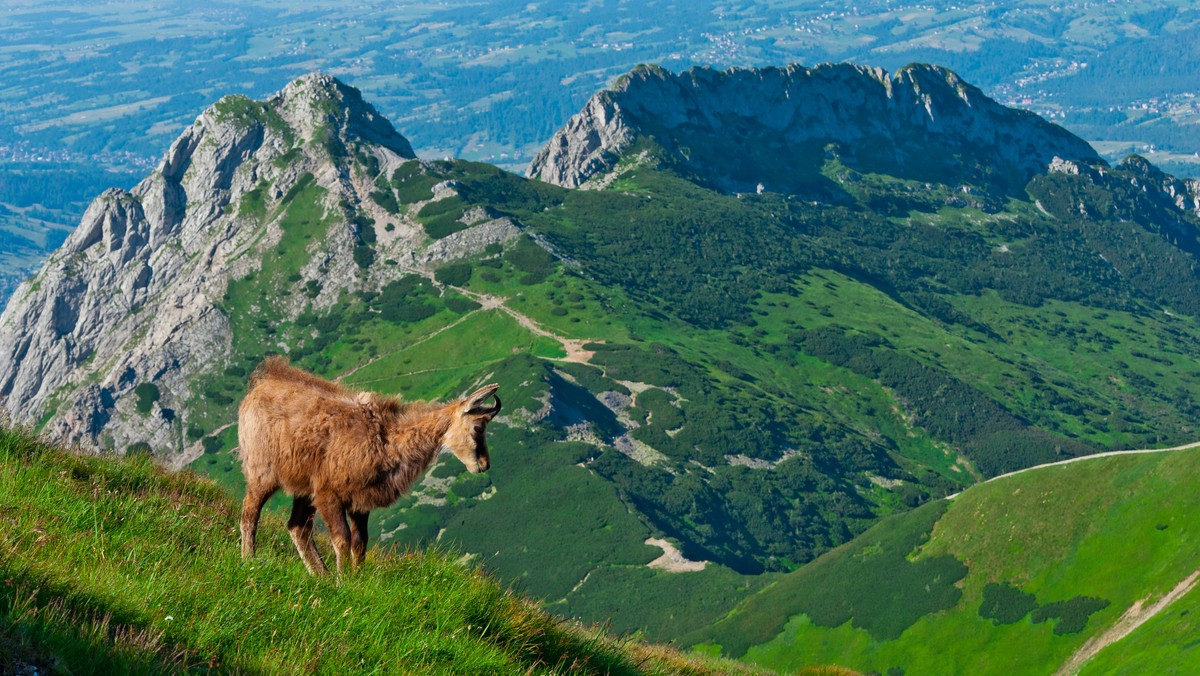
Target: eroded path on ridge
[[1137, 615], [429, 336], [1094, 456], [572, 346]]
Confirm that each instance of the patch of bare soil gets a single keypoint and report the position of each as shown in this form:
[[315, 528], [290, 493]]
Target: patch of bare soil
[[672, 560]]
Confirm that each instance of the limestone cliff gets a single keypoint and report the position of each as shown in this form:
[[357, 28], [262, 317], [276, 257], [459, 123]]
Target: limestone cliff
[[136, 295], [740, 128]]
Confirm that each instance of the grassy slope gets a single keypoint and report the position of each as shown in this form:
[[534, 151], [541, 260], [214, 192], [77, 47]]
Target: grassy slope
[[116, 566], [1075, 376], [1121, 529], [1166, 644]]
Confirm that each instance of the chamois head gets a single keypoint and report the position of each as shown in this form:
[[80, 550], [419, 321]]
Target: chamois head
[[469, 419]]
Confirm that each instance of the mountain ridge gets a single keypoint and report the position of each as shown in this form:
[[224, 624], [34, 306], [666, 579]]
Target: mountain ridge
[[897, 124], [1096, 581]]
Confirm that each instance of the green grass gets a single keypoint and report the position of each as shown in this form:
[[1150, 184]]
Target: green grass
[[1075, 546], [117, 566], [869, 583], [425, 368], [656, 604], [591, 310]]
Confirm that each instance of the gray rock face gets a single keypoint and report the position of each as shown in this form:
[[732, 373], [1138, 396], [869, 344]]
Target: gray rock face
[[1162, 189], [1183, 193], [738, 128], [135, 294]]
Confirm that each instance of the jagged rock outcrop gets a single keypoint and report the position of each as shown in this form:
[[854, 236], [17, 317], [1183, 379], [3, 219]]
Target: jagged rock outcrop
[[1183, 193], [740, 128], [136, 293], [1153, 189]]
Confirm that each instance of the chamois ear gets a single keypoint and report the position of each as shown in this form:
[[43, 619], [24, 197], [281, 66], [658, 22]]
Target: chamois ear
[[475, 404]]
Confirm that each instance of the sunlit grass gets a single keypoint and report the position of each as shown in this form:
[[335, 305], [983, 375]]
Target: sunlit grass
[[115, 566]]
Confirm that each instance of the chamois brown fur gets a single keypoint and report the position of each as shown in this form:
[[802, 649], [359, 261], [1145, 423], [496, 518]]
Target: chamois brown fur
[[337, 452]]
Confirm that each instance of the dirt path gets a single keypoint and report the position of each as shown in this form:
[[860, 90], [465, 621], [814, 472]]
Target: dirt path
[[420, 340], [1137, 615], [1106, 454], [572, 346], [193, 452]]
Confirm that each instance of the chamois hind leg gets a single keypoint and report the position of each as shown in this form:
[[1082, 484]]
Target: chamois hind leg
[[300, 526], [358, 537], [252, 504], [334, 514]]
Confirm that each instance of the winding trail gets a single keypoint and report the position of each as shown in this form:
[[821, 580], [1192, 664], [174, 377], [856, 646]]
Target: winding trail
[[1106, 454], [572, 346], [422, 339]]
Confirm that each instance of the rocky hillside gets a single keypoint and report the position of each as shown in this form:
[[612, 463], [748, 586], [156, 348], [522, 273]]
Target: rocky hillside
[[135, 294], [741, 129]]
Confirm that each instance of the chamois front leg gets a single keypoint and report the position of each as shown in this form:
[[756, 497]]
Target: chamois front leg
[[334, 514], [300, 526], [358, 537], [252, 504]]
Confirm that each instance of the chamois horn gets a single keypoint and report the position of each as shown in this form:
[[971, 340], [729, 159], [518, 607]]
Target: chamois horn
[[481, 396]]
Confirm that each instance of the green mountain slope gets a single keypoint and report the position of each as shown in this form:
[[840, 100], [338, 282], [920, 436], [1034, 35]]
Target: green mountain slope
[[781, 406], [1012, 576], [754, 379], [115, 566]]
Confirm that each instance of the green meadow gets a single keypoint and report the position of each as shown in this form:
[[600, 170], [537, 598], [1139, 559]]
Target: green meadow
[[1023, 592]]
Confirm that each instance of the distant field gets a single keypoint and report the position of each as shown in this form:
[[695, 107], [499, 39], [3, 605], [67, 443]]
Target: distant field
[[114, 84], [493, 80]]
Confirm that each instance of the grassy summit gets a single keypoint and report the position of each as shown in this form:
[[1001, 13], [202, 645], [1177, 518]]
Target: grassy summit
[[115, 566]]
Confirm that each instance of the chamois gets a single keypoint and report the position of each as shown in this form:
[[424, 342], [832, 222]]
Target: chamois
[[336, 451]]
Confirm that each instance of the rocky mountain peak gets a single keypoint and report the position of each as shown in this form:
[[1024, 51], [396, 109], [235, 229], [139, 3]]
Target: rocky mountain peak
[[317, 99], [738, 128], [1153, 184], [135, 294]]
